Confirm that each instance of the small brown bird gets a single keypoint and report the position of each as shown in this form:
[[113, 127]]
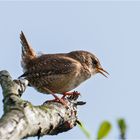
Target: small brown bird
[[57, 73]]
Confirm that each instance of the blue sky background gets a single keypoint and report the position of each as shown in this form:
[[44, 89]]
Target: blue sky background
[[111, 30]]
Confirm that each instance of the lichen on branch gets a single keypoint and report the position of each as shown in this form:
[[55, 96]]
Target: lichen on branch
[[21, 119]]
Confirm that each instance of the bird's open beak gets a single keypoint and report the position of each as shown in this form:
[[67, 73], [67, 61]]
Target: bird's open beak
[[102, 71]]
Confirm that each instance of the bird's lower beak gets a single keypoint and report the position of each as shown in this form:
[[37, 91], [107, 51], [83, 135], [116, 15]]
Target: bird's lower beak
[[102, 71]]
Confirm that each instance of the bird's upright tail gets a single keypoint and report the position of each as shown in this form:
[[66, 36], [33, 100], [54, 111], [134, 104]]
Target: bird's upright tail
[[27, 52]]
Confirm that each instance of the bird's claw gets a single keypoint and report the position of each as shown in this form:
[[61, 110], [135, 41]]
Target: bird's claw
[[74, 93]]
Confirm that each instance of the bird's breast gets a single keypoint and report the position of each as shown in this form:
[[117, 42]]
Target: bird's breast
[[79, 78]]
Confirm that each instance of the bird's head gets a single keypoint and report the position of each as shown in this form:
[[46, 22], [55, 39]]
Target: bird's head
[[95, 66], [89, 61]]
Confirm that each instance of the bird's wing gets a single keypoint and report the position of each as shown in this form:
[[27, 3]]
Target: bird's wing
[[47, 65]]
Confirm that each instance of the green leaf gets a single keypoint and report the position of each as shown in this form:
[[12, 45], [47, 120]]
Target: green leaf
[[84, 130], [122, 127], [104, 130]]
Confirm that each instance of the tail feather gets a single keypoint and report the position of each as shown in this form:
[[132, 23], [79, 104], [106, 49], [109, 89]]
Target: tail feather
[[27, 52]]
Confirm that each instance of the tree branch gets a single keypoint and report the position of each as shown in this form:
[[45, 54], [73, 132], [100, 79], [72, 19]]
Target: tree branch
[[21, 119]]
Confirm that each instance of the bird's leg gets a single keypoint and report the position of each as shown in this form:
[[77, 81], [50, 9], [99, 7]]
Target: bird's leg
[[57, 99], [70, 93]]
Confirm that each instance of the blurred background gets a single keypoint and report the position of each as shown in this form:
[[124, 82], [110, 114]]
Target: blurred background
[[111, 30]]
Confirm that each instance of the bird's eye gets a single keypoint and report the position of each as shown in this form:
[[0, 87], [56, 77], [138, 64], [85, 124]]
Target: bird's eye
[[94, 62]]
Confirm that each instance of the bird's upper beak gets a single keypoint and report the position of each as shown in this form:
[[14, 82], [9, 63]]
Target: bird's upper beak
[[102, 71]]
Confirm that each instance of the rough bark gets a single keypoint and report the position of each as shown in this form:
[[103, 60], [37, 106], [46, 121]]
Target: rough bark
[[21, 119]]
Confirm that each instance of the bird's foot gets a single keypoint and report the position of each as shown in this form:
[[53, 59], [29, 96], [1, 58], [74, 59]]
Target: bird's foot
[[70, 94], [62, 100], [57, 99]]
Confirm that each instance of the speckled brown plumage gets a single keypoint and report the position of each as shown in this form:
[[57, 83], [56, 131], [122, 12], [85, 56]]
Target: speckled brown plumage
[[57, 73]]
